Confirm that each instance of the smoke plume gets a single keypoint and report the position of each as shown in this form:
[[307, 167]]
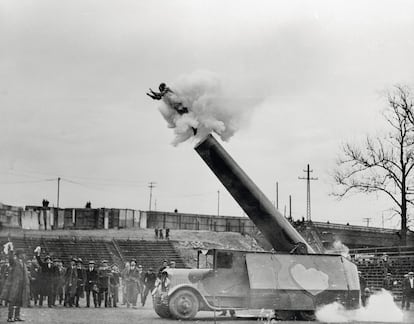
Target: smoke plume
[[211, 107], [380, 308], [339, 248]]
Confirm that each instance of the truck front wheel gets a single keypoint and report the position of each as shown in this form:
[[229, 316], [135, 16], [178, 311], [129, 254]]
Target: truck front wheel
[[161, 308], [183, 304]]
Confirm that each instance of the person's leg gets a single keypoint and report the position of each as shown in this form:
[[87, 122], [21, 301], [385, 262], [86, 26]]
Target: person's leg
[[88, 297], [17, 314], [115, 296], [106, 297], [100, 297], [144, 297], [10, 316], [95, 298]]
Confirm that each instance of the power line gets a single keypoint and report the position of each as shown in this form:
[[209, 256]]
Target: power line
[[91, 180], [27, 181]]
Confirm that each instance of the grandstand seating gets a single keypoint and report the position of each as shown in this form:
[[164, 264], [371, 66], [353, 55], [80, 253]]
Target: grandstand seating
[[376, 263], [149, 253], [66, 248]]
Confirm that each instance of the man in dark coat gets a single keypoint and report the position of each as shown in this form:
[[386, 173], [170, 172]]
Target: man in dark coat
[[149, 281], [388, 282], [60, 281], [4, 269], [114, 284], [34, 271], [91, 284], [104, 274], [71, 281], [405, 288], [16, 289], [363, 286], [408, 290], [80, 286], [46, 278]]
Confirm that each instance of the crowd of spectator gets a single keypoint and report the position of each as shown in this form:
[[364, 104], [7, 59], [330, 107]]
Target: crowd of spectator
[[26, 282]]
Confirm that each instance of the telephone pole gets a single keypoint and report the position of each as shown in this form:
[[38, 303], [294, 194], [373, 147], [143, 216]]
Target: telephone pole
[[308, 178], [218, 202], [151, 186], [58, 190], [367, 219], [277, 196]]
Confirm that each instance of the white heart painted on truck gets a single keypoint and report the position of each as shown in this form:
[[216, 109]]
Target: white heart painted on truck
[[312, 280]]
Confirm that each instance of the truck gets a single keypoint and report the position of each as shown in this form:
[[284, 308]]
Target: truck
[[292, 279]]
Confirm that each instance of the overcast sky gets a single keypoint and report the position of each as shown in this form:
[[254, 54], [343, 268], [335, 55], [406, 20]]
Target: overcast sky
[[73, 77]]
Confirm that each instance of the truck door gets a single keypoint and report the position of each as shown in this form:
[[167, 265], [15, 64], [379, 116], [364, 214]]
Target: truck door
[[229, 285]]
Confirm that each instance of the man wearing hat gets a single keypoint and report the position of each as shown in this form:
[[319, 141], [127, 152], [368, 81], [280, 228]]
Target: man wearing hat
[[46, 278], [71, 281], [104, 275], [114, 284], [80, 286], [91, 284], [149, 280], [162, 268], [16, 287], [132, 278], [60, 281], [388, 283], [407, 290]]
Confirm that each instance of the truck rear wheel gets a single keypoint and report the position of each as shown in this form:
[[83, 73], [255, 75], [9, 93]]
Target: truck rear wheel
[[284, 315], [183, 304], [161, 308], [307, 315]]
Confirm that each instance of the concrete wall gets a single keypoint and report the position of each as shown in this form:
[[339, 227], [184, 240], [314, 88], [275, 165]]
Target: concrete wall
[[199, 222]]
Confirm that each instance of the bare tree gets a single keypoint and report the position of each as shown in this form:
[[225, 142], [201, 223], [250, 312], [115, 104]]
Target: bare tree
[[384, 164]]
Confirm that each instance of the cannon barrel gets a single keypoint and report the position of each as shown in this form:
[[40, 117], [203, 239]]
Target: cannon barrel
[[276, 228]]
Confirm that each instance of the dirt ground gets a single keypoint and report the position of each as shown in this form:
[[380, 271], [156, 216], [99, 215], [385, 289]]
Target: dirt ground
[[141, 315]]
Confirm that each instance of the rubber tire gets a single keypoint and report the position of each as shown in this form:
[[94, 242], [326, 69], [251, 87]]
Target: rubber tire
[[161, 309], [184, 304], [283, 315], [307, 316]]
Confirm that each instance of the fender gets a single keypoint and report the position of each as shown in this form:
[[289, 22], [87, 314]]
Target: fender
[[202, 299]]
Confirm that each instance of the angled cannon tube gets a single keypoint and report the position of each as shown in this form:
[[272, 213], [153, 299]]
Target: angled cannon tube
[[278, 231]]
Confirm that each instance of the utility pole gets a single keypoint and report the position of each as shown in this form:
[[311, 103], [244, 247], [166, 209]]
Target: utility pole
[[218, 202], [290, 207], [367, 219], [151, 186], [58, 191], [277, 195], [308, 178]]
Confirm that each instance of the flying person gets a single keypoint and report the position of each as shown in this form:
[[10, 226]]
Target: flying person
[[170, 99]]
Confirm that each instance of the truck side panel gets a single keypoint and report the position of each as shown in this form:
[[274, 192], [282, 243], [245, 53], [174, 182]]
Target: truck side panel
[[286, 281]]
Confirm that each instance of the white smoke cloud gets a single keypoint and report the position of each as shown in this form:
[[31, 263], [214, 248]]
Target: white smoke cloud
[[211, 106], [338, 248], [380, 308]]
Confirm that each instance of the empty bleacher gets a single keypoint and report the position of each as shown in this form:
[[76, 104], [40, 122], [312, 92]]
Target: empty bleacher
[[66, 248], [149, 253]]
